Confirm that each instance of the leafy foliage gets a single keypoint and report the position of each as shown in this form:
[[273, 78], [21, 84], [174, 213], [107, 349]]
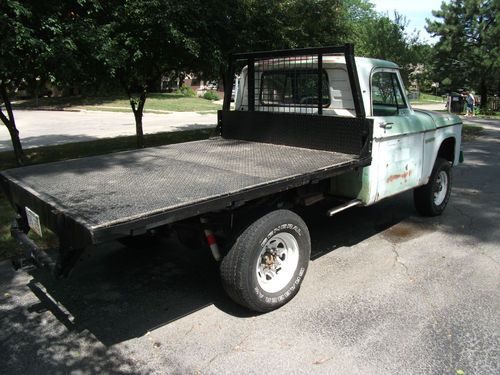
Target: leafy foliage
[[211, 95], [387, 39], [467, 54], [185, 90], [140, 40], [37, 45]]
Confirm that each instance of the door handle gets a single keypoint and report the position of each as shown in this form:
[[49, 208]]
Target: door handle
[[386, 125]]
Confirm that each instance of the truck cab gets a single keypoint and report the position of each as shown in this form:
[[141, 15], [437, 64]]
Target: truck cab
[[406, 142]]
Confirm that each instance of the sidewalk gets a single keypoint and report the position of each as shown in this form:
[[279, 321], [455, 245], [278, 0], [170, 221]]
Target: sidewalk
[[430, 107], [44, 128]]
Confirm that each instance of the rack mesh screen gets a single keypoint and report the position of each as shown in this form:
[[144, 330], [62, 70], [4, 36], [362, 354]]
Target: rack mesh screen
[[286, 84]]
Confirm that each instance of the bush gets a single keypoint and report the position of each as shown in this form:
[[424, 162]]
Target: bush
[[485, 111], [185, 90], [211, 95]]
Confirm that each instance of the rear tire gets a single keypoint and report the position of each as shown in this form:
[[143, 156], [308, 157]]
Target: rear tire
[[432, 198], [265, 267]]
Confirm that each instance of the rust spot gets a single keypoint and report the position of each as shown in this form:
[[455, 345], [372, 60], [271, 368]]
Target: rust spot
[[400, 231], [405, 231], [395, 177]]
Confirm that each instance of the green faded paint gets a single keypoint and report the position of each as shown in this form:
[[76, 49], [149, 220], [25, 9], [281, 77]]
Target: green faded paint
[[406, 127], [408, 123], [440, 119], [369, 64], [354, 184], [364, 193]]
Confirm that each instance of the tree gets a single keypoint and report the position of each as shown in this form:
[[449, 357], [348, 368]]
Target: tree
[[19, 49], [248, 25], [420, 71], [468, 52], [36, 46], [233, 26], [140, 40], [387, 39]]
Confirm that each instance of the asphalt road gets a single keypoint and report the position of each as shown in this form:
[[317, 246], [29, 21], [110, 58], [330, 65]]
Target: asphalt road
[[387, 292], [43, 128]]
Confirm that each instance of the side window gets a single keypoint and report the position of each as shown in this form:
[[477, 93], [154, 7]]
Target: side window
[[387, 95]]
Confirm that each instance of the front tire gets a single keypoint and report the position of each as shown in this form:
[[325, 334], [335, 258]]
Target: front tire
[[432, 198], [265, 267]]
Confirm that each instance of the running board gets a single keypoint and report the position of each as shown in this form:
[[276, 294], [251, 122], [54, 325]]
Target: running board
[[344, 206]]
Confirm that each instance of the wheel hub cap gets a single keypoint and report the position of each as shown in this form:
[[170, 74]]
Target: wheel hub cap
[[277, 262], [441, 188]]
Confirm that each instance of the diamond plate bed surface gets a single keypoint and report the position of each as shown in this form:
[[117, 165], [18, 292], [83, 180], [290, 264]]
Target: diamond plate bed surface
[[106, 189]]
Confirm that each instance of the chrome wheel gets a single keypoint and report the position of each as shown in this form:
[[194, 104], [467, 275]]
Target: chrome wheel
[[441, 188], [277, 262]]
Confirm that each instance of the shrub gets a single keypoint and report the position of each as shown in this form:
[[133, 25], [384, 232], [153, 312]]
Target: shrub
[[211, 95], [485, 111], [185, 90]]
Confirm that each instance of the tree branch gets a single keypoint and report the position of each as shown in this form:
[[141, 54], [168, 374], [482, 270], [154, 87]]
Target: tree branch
[[4, 118], [126, 88], [8, 106], [142, 101]]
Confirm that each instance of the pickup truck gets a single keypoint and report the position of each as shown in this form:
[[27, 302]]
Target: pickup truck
[[308, 125]]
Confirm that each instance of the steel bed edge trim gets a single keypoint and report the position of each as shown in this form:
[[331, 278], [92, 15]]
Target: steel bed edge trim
[[142, 223]]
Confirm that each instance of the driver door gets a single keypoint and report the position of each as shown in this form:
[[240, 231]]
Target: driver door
[[398, 137]]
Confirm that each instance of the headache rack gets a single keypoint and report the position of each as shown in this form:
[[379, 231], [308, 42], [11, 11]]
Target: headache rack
[[267, 117], [307, 61]]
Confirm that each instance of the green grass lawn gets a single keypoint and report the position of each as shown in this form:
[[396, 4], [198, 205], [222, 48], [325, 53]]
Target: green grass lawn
[[8, 247], [491, 115], [470, 132], [427, 99], [159, 103]]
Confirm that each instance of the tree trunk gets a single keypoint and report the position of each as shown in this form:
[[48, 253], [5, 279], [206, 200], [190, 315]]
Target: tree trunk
[[138, 119], [10, 123], [484, 94], [138, 129], [16, 144], [223, 75], [138, 109]]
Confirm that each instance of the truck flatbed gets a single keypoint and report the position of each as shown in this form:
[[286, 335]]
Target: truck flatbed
[[123, 193]]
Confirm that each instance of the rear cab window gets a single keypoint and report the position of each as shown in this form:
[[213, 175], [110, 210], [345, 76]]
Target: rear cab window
[[297, 88]]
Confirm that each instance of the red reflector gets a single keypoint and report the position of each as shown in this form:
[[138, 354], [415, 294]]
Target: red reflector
[[211, 239]]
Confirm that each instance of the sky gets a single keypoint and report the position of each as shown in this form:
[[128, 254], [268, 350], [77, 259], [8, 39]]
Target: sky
[[416, 11]]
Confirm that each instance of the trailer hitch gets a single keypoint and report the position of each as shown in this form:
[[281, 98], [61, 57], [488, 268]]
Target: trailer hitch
[[34, 256]]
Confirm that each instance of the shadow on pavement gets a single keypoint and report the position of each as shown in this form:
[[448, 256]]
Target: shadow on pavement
[[46, 140], [60, 139], [118, 293]]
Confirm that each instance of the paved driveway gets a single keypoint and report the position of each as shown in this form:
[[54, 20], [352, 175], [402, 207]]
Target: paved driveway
[[42, 128], [387, 292]]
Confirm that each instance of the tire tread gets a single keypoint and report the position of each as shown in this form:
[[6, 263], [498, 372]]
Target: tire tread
[[238, 259], [423, 197]]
